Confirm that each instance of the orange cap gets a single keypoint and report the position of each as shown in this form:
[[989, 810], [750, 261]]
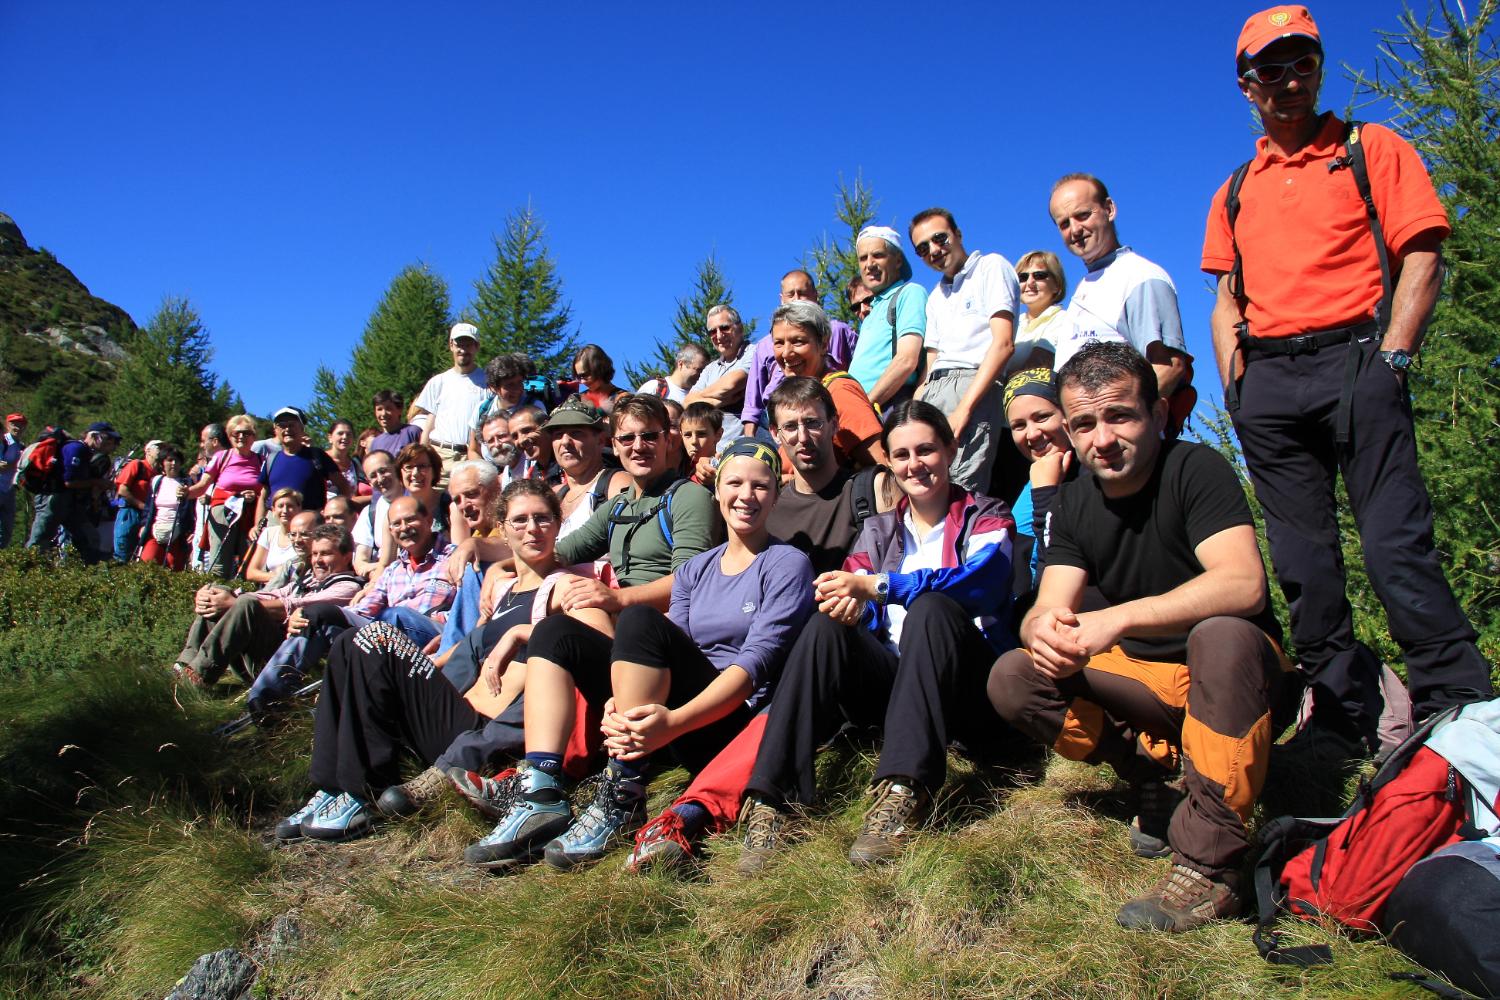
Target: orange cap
[[1274, 23]]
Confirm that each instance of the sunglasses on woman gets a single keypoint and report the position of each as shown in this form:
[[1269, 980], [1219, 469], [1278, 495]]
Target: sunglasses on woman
[[1025, 276]]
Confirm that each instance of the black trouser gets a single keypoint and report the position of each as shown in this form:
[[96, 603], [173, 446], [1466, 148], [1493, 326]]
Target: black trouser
[[380, 694], [933, 693], [1286, 421], [646, 636]]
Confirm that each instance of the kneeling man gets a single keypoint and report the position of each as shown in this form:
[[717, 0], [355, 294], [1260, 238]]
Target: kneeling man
[[1180, 669]]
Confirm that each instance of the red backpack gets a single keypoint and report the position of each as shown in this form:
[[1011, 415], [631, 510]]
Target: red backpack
[[1436, 788], [39, 468]]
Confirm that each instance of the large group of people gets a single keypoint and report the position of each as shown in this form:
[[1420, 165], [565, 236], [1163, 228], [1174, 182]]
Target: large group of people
[[967, 520]]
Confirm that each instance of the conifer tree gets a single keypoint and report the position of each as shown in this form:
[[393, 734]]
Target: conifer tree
[[164, 389], [832, 260], [518, 303], [404, 344], [689, 323]]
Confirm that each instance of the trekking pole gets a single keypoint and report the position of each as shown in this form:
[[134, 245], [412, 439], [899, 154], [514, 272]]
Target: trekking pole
[[247, 719], [244, 562]]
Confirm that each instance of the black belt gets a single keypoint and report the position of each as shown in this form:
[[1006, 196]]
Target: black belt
[[1309, 343], [945, 372]]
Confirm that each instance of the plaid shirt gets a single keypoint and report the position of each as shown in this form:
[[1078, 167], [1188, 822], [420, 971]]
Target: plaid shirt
[[422, 586]]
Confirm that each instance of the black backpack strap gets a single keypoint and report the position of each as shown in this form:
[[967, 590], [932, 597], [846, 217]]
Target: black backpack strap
[[863, 496], [1236, 274], [1278, 838], [1354, 159]]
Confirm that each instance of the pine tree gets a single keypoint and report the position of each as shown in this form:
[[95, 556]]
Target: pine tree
[[1442, 77], [832, 260], [518, 303], [689, 323], [164, 389], [404, 344]]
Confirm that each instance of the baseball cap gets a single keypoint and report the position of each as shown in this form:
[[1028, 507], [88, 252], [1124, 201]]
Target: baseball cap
[[1273, 24], [463, 330], [15, 417], [101, 427], [575, 411], [289, 411]]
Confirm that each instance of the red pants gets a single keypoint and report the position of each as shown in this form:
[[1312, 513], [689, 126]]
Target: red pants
[[720, 786], [175, 556]]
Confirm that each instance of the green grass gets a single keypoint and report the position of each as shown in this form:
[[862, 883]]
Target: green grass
[[132, 841]]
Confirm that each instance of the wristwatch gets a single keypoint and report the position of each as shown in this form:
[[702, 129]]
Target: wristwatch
[[882, 588], [1398, 360]]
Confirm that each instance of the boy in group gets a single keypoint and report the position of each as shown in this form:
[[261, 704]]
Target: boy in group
[[701, 428], [395, 433], [1182, 665]]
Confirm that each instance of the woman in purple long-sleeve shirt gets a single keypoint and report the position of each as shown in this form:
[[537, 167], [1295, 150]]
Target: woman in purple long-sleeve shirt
[[684, 683]]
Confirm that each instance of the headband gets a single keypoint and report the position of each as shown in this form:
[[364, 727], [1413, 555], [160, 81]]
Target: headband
[[1031, 382]]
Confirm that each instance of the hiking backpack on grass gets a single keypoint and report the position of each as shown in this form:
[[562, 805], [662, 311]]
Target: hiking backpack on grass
[[1438, 788], [39, 468]]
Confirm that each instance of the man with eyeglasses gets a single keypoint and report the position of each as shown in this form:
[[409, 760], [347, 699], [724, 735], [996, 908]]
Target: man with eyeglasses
[[1123, 296], [765, 371], [447, 402], [889, 351], [722, 381], [971, 327], [1321, 307]]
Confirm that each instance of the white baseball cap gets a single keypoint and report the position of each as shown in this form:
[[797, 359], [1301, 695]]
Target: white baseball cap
[[463, 330]]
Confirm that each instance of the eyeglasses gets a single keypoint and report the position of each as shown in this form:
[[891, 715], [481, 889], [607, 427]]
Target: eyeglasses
[[647, 437], [941, 239], [520, 521], [1267, 74], [242, 434], [416, 467], [722, 328], [1025, 276], [811, 425]]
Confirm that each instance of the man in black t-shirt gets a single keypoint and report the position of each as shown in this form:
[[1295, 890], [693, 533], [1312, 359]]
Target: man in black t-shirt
[[1181, 667]]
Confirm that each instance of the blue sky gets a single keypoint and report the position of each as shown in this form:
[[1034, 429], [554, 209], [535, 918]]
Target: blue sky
[[278, 164]]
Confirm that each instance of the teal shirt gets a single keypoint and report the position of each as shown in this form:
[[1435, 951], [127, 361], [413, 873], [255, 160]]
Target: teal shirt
[[877, 341]]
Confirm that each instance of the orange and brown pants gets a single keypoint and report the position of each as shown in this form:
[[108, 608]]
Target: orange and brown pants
[[1211, 715]]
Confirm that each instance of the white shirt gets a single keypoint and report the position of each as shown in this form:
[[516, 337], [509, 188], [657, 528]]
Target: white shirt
[[959, 311], [367, 526], [451, 397], [1124, 298], [652, 387], [919, 553]]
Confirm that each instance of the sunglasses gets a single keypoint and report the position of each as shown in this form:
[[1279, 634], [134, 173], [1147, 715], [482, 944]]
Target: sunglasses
[[1270, 73], [861, 303], [1025, 276], [941, 239], [647, 437], [722, 328]]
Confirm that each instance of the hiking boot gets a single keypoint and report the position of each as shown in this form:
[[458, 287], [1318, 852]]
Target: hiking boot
[[618, 809], [1156, 801], [342, 817], [537, 812], [765, 835], [661, 843], [1184, 900], [291, 827], [491, 796], [897, 812], [408, 797]]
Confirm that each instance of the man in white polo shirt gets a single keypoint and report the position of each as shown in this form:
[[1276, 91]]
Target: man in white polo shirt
[[1124, 297], [448, 398], [971, 323]]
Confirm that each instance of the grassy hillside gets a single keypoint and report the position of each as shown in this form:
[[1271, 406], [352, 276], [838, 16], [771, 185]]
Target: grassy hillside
[[135, 841]]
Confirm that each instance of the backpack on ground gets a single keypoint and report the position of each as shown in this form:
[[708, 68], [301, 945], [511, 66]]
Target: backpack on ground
[[39, 468], [1444, 915], [1438, 788]]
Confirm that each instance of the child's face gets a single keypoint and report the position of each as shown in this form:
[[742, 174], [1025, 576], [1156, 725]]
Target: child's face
[[699, 439]]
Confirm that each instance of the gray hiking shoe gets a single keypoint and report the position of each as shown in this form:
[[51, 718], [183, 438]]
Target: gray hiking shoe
[[539, 812], [896, 814], [765, 835]]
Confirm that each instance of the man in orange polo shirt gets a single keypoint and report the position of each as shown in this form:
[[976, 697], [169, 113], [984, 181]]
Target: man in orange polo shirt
[[1314, 329]]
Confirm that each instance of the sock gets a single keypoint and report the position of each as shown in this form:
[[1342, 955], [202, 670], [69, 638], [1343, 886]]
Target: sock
[[548, 762], [694, 818], [629, 770]]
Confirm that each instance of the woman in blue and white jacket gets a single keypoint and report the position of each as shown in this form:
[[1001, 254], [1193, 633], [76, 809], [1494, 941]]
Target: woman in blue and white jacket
[[906, 634]]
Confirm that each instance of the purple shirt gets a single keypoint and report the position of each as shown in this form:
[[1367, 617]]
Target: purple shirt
[[748, 620], [395, 440], [766, 374]]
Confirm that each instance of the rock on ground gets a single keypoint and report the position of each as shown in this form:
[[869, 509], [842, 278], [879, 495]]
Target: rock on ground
[[222, 975]]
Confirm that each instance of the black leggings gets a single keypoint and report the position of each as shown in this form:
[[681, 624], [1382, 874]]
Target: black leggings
[[646, 636]]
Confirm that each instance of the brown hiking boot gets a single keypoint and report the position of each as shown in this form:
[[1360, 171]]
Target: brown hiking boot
[[409, 797], [1156, 801], [1184, 900], [765, 835], [897, 812]]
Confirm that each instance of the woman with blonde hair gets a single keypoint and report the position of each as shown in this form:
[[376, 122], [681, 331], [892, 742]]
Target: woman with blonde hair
[[1043, 288], [233, 476]]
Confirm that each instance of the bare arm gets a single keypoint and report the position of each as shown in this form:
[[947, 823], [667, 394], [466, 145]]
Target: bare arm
[[1224, 323], [1173, 368], [1002, 346], [1415, 294], [727, 391], [908, 353]]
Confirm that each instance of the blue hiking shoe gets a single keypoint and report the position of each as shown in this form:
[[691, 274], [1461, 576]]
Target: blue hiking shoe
[[534, 809], [342, 817], [291, 827], [617, 810]]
